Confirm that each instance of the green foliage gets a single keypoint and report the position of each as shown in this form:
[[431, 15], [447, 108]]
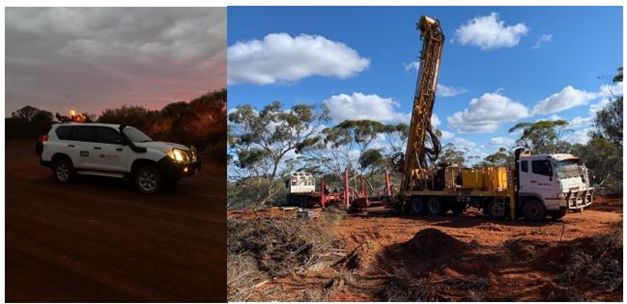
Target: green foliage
[[28, 123], [608, 123], [371, 159], [501, 157], [259, 143], [396, 136], [544, 136], [201, 122], [450, 154]]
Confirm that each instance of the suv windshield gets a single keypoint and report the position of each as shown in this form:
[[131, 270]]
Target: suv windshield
[[135, 135], [568, 168]]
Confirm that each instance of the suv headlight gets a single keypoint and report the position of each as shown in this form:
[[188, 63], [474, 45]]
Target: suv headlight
[[178, 155], [194, 153]]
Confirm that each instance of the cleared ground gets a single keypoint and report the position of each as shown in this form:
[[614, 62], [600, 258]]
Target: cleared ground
[[395, 257], [98, 240]]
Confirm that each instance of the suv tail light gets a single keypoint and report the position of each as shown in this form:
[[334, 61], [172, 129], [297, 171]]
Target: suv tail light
[[43, 138]]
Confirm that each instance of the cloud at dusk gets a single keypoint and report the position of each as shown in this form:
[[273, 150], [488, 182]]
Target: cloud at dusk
[[91, 59]]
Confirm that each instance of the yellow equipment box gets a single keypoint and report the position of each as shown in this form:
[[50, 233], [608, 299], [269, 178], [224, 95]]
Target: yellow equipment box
[[486, 179], [472, 179], [496, 179]]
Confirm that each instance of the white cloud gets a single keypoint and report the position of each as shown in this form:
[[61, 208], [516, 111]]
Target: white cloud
[[446, 135], [599, 105], [96, 58], [449, 91], [567, 98], [280, 57], [415, 65], [579, 121], [608, 90], [544, 39], [488, 32], [435, 120], [486, 113], [464, 144], [578, 137], [501, 141], [359, 106]]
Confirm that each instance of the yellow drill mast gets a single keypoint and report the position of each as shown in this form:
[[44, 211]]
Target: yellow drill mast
[[416, 166]]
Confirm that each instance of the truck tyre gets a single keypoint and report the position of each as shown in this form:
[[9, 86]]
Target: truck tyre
[[495, 211], [458, 208], [416, 205], [556, 215], [534, 210], [436, 206], [63, 170], [148, 179]]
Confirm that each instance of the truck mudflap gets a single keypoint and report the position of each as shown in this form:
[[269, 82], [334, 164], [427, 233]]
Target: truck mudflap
[[578, 199]]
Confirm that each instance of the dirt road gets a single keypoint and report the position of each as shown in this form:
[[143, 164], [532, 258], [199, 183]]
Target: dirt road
[[450, 258], [98, 240]]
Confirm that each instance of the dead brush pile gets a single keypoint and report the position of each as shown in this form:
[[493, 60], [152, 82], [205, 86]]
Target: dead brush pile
[[261, 249], [596, 262]]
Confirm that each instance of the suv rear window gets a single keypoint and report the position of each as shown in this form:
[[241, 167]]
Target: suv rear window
[[64, 132], [108, 136], [84, 133]]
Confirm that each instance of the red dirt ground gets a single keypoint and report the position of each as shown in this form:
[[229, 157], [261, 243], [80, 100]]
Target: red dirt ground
[[489, 260], [97, 240]]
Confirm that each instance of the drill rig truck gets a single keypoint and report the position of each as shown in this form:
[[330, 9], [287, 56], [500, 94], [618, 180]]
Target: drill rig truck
[[536, 186]]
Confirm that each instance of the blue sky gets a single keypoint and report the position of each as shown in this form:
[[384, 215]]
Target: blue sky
[[506, 64]]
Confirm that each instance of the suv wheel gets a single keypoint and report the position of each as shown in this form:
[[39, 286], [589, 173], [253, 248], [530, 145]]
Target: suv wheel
[[534, 210], [63, 170], [148, 179]]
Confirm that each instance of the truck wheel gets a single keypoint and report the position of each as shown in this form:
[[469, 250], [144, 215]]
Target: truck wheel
[[495, 210], [458, 208], [416, 206], [534, 210], [436, 206], [148, 179], [556, 215], [63, 170]]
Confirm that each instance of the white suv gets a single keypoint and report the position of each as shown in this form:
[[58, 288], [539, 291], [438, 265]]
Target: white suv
[[115, 151]]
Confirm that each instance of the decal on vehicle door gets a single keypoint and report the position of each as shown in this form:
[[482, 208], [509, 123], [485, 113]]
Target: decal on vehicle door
[[84, 153]]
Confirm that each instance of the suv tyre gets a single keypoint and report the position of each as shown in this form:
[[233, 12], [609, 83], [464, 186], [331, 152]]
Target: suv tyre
[[63, 170], [148, 179]]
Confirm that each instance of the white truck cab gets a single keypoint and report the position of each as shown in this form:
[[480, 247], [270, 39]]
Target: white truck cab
[[115, 151], [301, 182], [559, 181]]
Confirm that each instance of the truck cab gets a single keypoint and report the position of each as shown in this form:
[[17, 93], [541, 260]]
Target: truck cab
[[301, 188], [559, 181], [301, 182]]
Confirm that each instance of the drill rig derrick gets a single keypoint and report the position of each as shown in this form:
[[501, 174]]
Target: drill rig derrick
[[418, 158]]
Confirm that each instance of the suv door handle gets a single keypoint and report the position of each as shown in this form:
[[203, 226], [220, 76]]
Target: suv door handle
[[118, 149], [71, 146], [97, 148]]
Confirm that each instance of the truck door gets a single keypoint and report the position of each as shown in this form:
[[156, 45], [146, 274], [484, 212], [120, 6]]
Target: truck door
[[109, 152], [81, 146], [536, 176]]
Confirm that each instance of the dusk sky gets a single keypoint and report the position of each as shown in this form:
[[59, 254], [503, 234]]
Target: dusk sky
[[500, 65], [90, 59]]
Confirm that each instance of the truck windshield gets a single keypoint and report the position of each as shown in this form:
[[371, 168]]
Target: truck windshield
[[135, 135], [568, 168]]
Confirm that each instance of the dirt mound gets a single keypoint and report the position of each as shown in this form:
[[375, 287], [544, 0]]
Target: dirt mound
[[525, 248], [433, 243]]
